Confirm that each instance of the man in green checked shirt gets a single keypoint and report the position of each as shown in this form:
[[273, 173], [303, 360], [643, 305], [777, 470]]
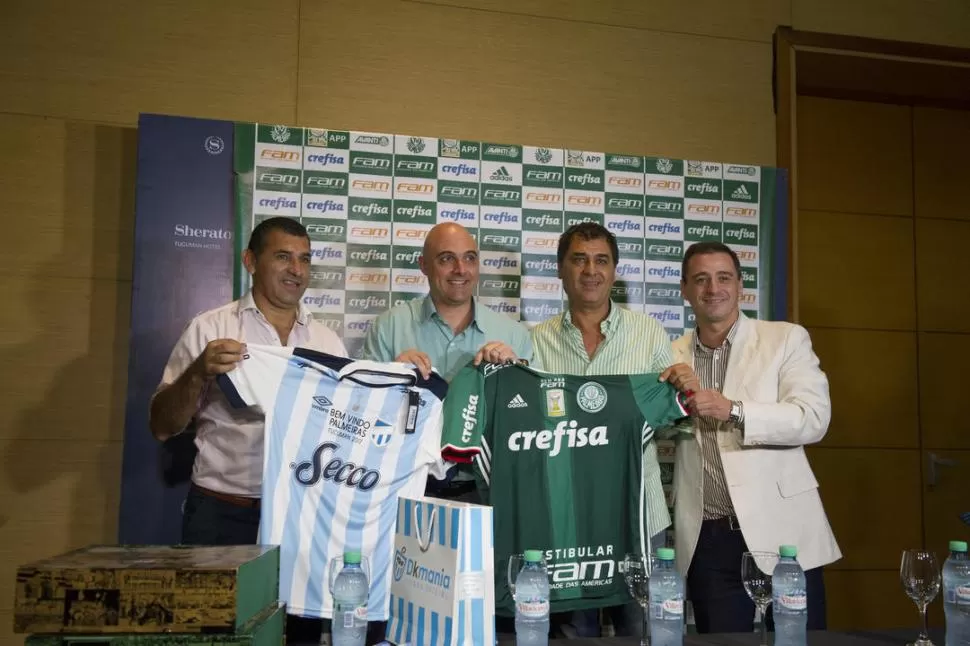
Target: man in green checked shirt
[[594, 336]]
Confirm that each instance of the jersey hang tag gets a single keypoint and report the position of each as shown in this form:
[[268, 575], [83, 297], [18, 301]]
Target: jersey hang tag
[[414, 399]]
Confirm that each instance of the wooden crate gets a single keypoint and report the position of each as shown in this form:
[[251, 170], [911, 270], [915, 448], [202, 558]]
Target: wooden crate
[[266, 629], [147, 589]]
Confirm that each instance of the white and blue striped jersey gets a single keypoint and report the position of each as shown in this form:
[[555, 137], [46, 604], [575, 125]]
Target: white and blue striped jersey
[[344, 439]]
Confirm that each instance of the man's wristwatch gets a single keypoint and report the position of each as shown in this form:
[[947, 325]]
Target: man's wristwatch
[[737, 413]]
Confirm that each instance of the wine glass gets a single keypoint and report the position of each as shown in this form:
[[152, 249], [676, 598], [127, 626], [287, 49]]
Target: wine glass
[[920, 575], [756, 571], [516, 562], [634, 569]]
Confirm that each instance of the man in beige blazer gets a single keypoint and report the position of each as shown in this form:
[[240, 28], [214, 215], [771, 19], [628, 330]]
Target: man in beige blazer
[[742, 480]]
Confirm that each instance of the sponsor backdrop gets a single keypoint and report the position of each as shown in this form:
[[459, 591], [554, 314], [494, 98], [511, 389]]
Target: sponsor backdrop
[[368, 200]]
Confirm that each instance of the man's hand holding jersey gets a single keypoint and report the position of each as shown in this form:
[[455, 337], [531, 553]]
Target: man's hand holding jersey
[[492, 352], [218, 358]]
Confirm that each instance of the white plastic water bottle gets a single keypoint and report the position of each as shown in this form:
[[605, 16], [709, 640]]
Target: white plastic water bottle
[[789, 599], [532, 602], [956, 595], [666, 601], [350, 603]]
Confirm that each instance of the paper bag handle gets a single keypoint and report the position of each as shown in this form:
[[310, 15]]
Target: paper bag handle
[[424, 543]]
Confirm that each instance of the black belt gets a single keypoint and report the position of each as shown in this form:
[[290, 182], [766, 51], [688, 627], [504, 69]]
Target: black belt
[[725, 522], [232, 499]]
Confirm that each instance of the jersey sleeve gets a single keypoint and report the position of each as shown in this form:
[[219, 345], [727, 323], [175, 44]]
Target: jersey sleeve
[[660, 403], [257, 378], [464, 416]]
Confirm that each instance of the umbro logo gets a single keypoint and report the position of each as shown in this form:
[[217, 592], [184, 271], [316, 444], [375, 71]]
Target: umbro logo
[[517, 402], [321, 403]]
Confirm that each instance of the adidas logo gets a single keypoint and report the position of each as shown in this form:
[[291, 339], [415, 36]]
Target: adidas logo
[[741, 193], [501, 175], [517, 402], [320, 402]]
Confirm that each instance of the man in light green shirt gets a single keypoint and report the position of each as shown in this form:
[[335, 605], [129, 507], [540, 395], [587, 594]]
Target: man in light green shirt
[[447, 328], [594, 336]]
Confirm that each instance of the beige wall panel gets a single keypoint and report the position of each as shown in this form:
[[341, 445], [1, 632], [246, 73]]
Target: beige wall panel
[[942, 262], [533, 81], [107, 60], [939, 22], [868, 600], [745, 19], [57, 496], [65, 359], [854, 157], [7, 637], [883, 482], [856, 271], [68, 204], [877, 407], [942, 391], [941, 141]]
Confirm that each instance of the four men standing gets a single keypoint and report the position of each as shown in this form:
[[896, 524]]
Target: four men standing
[[755, 391]]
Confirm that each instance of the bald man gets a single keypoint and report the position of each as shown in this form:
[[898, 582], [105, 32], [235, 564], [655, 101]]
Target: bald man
[[447, 328]]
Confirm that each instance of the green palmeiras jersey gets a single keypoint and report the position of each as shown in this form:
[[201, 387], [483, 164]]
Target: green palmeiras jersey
[[559, 458]]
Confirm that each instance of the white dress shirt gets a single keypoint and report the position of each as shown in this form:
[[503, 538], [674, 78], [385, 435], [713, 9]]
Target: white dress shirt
[[230, 441]]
